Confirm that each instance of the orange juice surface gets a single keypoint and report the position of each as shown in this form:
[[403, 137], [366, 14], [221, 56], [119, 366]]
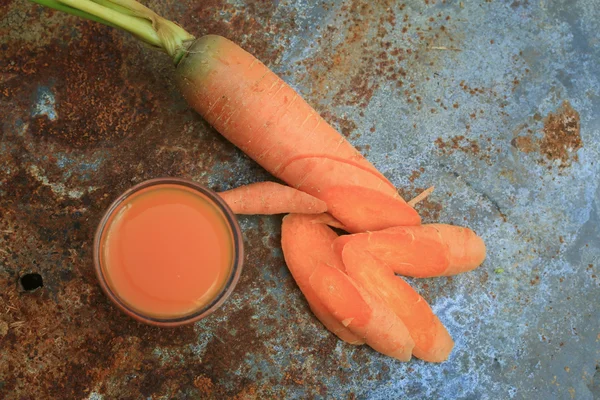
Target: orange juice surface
[[167, 251]]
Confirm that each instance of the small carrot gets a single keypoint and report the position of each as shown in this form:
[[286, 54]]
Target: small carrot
[[423, 251], [305, 244], [364, 314], [432, 341], [271, 198]]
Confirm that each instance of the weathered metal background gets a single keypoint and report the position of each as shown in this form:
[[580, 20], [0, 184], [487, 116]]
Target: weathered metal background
[[496, 103]]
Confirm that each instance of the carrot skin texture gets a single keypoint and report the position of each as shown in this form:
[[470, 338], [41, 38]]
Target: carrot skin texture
[[363, 209], [250, 105], [363, 313], [263, 116], [424, 251], [432, 341], [336, 159], [317, 173], [305, 244], [410, 252], [271, 198], [339, 244], [467, 251]]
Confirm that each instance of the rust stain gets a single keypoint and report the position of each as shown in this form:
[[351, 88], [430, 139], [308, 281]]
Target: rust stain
[[560, 139], [562, 136], [114, 106], [525, 144], [204, 385], [465, 145], [416, 174], [344, 125], [350, 71], [249, 24]]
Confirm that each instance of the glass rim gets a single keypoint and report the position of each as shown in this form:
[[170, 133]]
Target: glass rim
[[213, 305]]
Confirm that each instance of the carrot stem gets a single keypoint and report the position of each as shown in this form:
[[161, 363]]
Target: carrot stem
[[113, 6], [132, 17], [73, 11]]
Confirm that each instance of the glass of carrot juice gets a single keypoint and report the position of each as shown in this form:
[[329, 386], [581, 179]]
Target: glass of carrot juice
[[168, 252]]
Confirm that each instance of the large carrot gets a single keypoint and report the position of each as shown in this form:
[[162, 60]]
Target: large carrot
[[262, 115], [306, 243], [363, 313], [432, 341], [422, 251], [271, 198]]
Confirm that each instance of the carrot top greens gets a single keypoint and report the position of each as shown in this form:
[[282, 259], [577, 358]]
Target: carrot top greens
[[130, 16]]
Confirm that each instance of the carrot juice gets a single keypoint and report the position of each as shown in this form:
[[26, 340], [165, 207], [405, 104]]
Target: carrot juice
[[166, 251]]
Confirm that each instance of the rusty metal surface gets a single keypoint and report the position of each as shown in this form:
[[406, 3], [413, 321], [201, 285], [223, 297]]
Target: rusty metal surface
[[494, 102]]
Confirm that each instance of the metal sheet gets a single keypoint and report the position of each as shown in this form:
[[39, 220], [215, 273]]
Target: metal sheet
[[496, 103]]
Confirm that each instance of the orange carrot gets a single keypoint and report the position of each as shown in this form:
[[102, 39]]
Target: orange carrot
[[363, 313], [423, 251], [318, 173], [254, 108], [337, 159], [432, 341], [271, 198], [339, 244], [466, 250], [262, 115], [362, 209], [305, 244]]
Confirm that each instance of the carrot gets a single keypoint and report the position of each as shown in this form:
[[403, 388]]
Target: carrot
[[255, 109], [262, 115], [466, 250], [423, 251], [432, 341], [362, 209], [305, 244], [339, 244], [316, 173], [365, 200], [271, 198], [364, 314]]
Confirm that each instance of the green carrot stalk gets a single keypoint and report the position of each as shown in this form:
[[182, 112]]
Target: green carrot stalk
[[130, 16]]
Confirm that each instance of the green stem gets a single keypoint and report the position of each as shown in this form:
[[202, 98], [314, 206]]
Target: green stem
[[116, 7], [73, 11], [130, 16]]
